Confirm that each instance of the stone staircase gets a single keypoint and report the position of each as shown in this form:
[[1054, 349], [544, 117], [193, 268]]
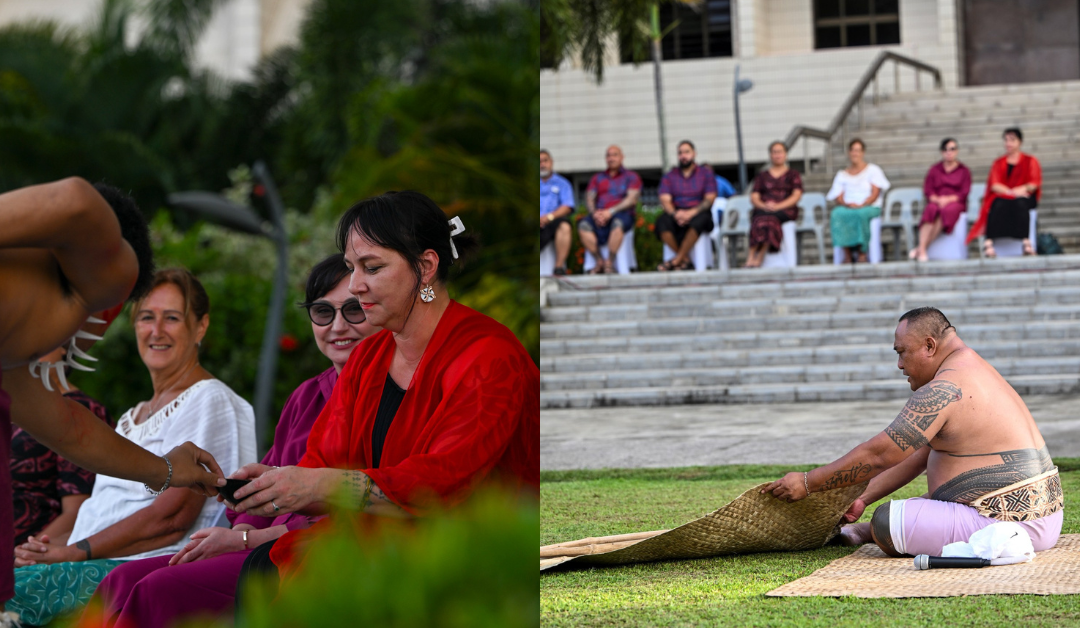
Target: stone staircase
[[812, 333], [903, 133]]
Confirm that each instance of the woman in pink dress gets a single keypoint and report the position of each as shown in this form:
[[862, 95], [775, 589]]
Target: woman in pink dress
[[946, 189]]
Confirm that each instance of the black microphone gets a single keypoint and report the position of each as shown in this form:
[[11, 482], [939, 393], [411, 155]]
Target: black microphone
[[923, 561]]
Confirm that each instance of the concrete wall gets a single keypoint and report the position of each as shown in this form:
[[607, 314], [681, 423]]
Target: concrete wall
[[793, 84]]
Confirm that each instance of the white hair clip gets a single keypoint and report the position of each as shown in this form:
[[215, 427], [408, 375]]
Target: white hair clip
[[73, 351], [458, 227]]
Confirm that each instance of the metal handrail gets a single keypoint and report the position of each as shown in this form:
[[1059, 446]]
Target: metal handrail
[[870, 75]]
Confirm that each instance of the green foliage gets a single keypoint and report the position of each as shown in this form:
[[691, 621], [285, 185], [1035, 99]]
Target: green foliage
[[647, 247], [730, 590], [237, 272], [473, 568]]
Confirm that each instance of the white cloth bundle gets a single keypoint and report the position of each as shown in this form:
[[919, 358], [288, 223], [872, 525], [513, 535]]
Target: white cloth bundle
[[1004, 543]]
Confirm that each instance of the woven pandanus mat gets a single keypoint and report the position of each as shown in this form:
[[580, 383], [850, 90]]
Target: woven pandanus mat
[[752, 522], [869, 573]]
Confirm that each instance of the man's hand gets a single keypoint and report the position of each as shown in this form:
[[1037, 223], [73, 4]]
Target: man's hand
[[602, 217], [790, 488], [40, 551], [545, 220], [683, 216], [852, 515], [188, 471]]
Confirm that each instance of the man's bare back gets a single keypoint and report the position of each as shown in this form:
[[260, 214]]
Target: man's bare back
[[989, 439]]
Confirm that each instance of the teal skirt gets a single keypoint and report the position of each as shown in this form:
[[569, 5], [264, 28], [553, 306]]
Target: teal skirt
[[850, 228], [44, 592]]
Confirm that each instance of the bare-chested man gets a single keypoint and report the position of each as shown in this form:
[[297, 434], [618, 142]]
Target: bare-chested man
[[68, 250], [984, 457]]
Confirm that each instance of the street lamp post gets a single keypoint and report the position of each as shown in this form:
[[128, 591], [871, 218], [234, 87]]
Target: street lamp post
[[218, 209], [740, 86]]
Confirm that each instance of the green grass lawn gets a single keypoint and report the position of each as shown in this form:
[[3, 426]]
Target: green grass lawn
[[730, 591]]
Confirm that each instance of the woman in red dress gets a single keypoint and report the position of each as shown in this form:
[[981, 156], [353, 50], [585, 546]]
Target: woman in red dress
[[440, 402], [1012, 190]]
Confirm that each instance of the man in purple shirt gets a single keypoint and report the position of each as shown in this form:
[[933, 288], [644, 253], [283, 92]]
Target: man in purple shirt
[[611, 196], [686, 194]]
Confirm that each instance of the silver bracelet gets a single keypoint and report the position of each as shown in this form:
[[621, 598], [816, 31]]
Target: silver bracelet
[[168, 479], [805, 484]]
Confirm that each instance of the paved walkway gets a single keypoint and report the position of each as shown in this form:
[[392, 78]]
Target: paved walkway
[[779, 433]]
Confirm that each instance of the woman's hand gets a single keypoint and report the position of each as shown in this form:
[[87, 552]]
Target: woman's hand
[[40, 551], [278, 490], [207, 543], [790, 488]]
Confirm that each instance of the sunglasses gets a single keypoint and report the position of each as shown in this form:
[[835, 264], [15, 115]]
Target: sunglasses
[[322, 313]]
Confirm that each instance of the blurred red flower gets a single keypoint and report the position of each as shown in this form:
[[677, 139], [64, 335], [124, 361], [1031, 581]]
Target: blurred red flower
[[288, 343]]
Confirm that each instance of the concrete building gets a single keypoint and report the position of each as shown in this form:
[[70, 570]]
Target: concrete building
[[804, 58], [238, 35]]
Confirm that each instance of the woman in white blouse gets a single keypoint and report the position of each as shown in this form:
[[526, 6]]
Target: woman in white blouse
[[123, 520], [857, 191]]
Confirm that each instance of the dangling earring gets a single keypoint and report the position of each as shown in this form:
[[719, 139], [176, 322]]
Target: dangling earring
[[427, 294]]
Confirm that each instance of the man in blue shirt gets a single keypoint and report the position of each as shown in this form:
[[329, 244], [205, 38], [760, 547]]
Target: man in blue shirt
[[724, 189], [556, 203]]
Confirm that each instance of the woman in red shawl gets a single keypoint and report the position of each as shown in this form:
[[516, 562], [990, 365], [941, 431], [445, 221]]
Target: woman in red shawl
[[1012, 190], [444, 399]]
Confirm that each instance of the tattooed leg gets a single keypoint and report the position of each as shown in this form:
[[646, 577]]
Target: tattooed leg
[[880, 531]]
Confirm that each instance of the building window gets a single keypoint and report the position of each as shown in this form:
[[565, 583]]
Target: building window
[[702, 29], [842, 23]]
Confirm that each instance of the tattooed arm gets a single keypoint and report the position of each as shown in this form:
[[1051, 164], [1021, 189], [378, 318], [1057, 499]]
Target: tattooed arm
[[918, 422]]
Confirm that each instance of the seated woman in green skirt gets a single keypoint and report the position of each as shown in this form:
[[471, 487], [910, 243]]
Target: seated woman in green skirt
[[857, 191]]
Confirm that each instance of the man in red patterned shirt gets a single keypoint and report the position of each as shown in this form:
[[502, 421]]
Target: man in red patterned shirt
[[611, 196]]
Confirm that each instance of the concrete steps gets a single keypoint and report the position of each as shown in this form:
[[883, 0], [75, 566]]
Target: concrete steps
[[809, 333]]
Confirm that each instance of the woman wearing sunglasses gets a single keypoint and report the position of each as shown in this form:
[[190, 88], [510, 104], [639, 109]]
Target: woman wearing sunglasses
[[201, 578], [440, 402]]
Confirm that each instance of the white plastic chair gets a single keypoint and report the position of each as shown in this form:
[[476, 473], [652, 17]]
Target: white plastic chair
[[700, 255], [911, 201], [950, 246], [736, 224], [1012, 247], [787, 256], [625, 258], [547, 260], [809, 223]]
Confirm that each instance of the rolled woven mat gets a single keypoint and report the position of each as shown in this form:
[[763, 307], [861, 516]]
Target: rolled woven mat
[[869, 573], [752, 522]]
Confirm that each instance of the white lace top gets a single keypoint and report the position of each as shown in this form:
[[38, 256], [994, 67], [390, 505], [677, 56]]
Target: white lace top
[[856, 187], [208, 414]]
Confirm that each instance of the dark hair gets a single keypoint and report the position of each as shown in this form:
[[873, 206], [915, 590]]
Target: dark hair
[[945, 142], [928, 320], [544, 151], [409, 223], [778, 143], [688, 143], [855, 141], [1015, 131], [133, 228], [325, 275], [196, 301]]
